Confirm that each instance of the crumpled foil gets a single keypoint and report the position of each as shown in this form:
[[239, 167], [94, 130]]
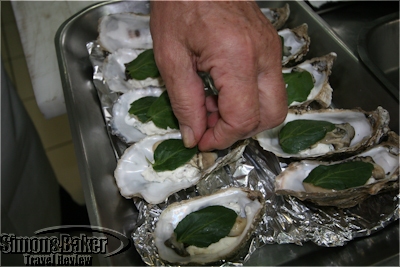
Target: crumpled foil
[[286, 220]]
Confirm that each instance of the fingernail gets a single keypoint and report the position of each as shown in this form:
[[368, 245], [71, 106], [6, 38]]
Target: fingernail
[[187, 136]]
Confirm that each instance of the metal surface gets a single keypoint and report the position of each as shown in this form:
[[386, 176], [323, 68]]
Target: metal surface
[[378, 47], [348, 18], [369, 27], [353, 86]]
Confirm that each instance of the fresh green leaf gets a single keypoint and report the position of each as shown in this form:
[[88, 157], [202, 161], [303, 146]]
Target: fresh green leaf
[[142, 67], [298, 85], [140, 107], [298, 135], [161, 113], [171, 154], [341, 176], [206, 226], [156, 109]]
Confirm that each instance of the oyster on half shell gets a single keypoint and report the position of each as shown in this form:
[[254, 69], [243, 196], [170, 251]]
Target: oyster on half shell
[[131, 30], [128, 127], [124, 30], [114, 72], [320, 69], [135, 176], [368, 128], [296, 43], [385, 177], [246, 203], [277, 16]]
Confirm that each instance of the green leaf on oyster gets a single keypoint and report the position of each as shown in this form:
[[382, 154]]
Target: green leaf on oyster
[[140, 107], [205, 226], [160, 112], [298, 85], [171, 154], [340, 176], [142, 67], [299, 135]]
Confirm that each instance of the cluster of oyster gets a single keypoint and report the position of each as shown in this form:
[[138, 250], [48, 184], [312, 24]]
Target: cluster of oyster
[[357, 135], [125, 36]]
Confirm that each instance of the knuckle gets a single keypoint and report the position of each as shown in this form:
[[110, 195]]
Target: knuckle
[[245, 126], [181, 109]]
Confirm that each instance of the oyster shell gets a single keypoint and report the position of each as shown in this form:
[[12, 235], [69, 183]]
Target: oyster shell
[[246, 203], [135, 178], [296, 43], [369, 127], [385, 155], [277, 16], [124, 30], [320, 69], [126, 126], [114, 72]]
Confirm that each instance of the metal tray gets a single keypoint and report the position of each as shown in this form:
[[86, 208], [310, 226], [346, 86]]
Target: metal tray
[[353, 86]]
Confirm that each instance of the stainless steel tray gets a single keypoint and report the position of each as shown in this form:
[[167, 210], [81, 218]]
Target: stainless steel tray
[[353, 86]]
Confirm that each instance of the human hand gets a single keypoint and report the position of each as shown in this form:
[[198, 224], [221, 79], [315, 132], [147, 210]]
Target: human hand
[[237, 45]]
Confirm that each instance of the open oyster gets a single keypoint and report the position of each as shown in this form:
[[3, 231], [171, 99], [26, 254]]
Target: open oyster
[[296, 43], [124, 30], [114, 72], [385, 175], [367, 127], [247, 204], [135, 176], [320, 69], [277, 16], [128, 127]]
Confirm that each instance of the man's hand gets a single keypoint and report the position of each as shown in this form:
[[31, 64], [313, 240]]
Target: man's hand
[[238, 46]]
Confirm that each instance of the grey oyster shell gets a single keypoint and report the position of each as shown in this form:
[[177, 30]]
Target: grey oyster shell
[[369, 128], [386, 155], [124, 30], [247, 203], [296, 43], [126, 126], [320, 68], [114, 72], [277, 16], [136, 161]]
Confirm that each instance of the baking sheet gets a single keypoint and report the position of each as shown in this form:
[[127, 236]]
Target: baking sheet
[[106, 207], [287, 219]]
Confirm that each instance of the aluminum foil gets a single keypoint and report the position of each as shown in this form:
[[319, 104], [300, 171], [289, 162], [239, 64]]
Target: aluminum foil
[[286, 220]]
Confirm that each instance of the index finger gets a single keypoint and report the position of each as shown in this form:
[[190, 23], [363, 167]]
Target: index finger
[[238, 108]]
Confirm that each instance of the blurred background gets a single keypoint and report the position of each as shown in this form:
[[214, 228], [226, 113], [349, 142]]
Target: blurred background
[[54, 132]]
